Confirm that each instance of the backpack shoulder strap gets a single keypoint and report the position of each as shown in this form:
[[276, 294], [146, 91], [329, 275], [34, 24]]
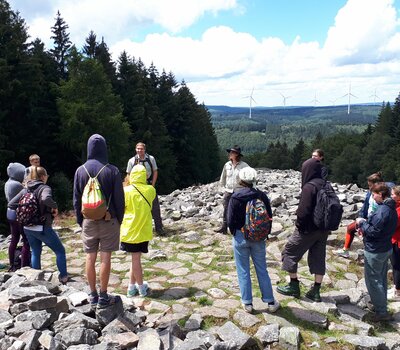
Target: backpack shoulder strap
[[142, 195], [98, 173]]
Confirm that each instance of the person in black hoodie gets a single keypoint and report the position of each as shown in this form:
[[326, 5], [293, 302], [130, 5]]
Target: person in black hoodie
[[306, 236], [377, 232], [100, 235], [243, 248]]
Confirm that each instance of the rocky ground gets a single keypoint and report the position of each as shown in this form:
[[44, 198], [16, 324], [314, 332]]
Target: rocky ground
[[194, 299]]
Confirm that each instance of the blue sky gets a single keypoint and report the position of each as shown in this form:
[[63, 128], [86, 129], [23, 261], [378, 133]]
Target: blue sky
[[311, 51]]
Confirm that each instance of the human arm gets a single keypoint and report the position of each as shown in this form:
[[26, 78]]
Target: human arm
[[77, 198], [118, 197], [154, 178], [13, 203], [306, 207]]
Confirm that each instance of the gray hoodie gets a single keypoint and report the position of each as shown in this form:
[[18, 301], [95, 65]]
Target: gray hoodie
[[16, 173]]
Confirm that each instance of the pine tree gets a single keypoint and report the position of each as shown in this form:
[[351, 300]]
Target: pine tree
[[385, 124], [89, 49], [102, 54], [88, 105], [61, 44]]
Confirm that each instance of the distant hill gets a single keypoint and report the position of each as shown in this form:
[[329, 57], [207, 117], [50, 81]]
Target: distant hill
[[289, 124]]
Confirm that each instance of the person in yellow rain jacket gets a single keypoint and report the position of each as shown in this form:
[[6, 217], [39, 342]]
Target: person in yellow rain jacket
[[136, 228]]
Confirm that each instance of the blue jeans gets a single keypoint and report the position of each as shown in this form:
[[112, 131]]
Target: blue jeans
[[49, 237], [244, 249], [375, 271]]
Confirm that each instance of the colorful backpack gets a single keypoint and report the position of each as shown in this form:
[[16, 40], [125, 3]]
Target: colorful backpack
[[28, 210], [94, 205], [258, 223]]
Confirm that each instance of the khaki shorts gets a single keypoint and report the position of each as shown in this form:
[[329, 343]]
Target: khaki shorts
[[100, 235]]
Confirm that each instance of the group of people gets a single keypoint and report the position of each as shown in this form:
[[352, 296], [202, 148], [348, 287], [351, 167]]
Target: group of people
[[378, 225], [131, 208], [127, 225]]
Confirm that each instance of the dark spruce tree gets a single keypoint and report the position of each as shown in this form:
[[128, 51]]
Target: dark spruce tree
[[62, 45], [89, 49], [87, 105]]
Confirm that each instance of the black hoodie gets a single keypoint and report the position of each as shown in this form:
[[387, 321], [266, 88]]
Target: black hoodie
[[310, 170], [237, 207]]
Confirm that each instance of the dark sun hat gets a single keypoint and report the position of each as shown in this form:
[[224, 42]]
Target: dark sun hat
[[236, 149]]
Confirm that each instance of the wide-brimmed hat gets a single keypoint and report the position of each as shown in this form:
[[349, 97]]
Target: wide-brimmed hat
[[236, 149]]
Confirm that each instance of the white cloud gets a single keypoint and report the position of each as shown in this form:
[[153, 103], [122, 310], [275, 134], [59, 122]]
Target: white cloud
[[223, 65], [362, 32]]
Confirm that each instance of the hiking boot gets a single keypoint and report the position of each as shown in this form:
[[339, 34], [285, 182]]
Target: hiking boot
[[248, 308], [313, 294], [273, 307], [381, 317], [344, 253], [291, 289], [143, 289]]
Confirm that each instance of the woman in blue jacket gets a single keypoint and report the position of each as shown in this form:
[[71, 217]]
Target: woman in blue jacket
[[244, 249], [377, 234]]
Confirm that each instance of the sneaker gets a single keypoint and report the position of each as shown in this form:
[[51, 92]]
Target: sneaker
[[248, 308], [143, 289], [275, 306], [291, 289], [370, 306], [106, 302], [344, 253], [93, 300], [132, 292]]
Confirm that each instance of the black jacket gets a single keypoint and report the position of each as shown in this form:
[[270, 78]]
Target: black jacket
[[237, 206], [310, 170]]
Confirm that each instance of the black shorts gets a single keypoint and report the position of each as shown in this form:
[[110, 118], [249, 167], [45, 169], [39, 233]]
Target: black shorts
[[142, 247]]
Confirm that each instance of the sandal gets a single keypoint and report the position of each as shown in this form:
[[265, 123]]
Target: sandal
[[106, 302]]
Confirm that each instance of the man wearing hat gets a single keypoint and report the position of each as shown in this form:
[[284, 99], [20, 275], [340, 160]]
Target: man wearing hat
[[230, 180]]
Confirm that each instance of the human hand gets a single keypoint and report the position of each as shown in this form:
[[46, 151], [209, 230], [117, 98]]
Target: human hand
[[54, 212]]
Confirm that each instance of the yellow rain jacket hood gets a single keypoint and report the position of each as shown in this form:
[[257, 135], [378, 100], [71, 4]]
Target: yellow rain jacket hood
[[137, 226]]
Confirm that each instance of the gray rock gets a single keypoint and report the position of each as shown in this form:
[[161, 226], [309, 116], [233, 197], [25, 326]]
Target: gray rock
[[353, 311], [31, 339], [268, 334], [194, 322], [106, 315], [20, 294], [4, 316], [42, 303], [18, 345], [197, 340], [289, 338], [245, 319], [149, 340], [363, 328], [77, 336], [19, 328], [304, 314], [78, 298], [364, 342], [230, 332], [75, 320]]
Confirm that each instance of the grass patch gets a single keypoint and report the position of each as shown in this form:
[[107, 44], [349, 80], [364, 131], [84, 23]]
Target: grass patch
[[210, 321], [204, 301]]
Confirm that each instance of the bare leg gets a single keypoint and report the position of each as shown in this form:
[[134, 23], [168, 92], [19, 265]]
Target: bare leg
[[318, 278], [136, 273], [91, 270], [105, 269]]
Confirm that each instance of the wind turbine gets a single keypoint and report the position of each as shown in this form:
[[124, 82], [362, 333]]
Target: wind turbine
[[315, 101], [375, 96], [333, 101], [251, 100], [349, 94], [284, 99]]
